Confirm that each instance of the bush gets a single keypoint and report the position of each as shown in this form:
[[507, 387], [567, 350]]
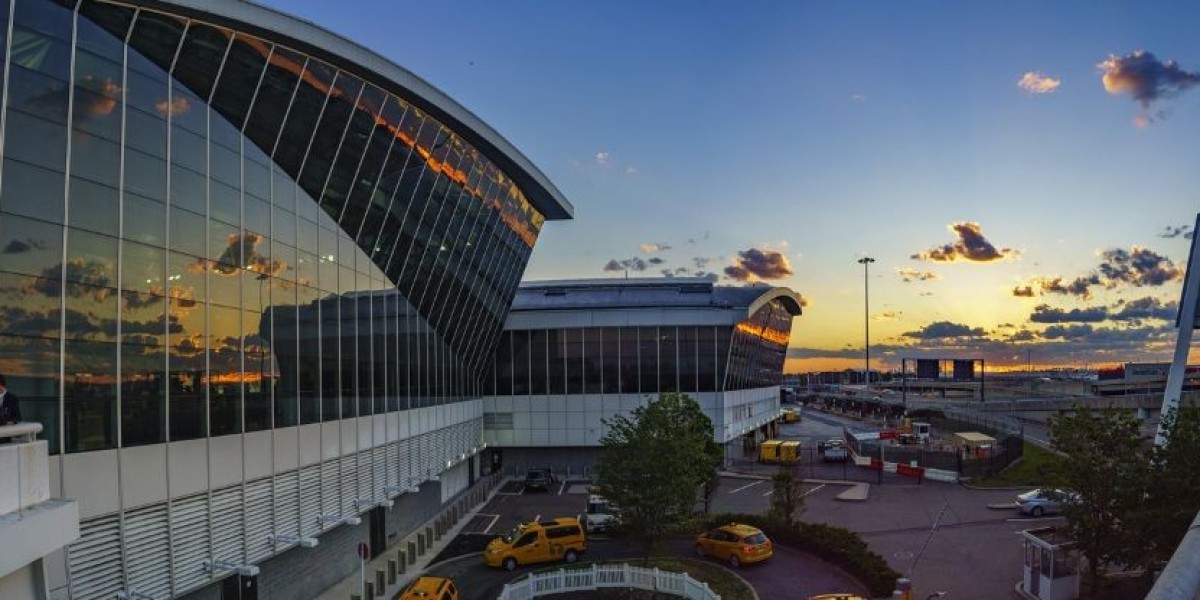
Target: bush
[[839, 546]]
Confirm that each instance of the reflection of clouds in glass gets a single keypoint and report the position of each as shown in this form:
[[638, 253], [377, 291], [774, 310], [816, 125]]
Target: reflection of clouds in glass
[[23, 246], [175, 106], [98, 97], [241, 252], [85, 279]]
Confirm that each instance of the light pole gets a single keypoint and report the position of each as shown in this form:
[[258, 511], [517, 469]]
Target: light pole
[[866, 263]]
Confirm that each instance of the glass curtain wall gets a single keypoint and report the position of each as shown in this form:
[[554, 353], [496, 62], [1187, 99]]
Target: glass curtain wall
[[642, 360], [203, 233]]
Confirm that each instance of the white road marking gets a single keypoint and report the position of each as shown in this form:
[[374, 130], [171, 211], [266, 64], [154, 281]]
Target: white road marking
[[537, 517], [812, 490], [493, 522], [748, 485], [769, 493], [562, 487]]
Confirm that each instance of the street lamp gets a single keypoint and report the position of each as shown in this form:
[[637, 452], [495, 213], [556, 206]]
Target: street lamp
[[866, 263]]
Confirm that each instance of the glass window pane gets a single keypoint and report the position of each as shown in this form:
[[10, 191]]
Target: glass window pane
[[31, 366], [89, 395], [30, 246], [32, 191], [143, 397], [521, 353], [648, 359]]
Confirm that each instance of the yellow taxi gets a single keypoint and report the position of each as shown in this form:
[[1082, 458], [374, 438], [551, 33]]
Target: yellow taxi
[[429, 588], [734, 543]]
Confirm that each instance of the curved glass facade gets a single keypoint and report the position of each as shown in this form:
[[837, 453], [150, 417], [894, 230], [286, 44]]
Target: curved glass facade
[[204, 232], [643, 360]]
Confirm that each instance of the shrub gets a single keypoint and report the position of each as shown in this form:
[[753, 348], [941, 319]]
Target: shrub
[[839, 546]]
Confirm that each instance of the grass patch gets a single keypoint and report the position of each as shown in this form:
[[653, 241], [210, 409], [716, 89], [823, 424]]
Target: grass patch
[[718, 580], [1032, 470]]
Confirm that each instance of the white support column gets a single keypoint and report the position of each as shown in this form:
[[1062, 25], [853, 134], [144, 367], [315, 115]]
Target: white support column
[[1183, 343]]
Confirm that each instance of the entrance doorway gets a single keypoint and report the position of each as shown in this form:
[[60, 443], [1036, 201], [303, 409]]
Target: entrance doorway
[[238, 587], [377, 523]]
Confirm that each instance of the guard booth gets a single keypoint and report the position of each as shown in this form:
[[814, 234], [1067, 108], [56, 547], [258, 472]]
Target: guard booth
[[1051, 565], [972, 444]]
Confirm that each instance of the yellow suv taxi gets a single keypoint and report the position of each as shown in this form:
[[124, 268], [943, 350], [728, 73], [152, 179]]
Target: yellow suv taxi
[[429, 588], [734, 543], [543, 541]]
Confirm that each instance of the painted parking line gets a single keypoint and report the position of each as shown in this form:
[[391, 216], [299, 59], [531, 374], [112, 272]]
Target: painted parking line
[[747, 486], [768, 493], [562, 487], [812, 490], [1033, 519], [490, 523]]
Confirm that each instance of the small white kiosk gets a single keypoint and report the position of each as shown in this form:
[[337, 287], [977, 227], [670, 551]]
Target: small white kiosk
[[1051, 569]]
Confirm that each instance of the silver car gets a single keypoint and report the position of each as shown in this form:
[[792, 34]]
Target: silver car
[[1044, 502]]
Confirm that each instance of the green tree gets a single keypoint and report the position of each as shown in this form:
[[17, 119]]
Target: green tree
[[787, 499], [654, 462], [1172, 496], [1100, 461]]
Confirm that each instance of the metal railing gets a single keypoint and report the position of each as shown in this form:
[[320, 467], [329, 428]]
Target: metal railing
[[607, 576]]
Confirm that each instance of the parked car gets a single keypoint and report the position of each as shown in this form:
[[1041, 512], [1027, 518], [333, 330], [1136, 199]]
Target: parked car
[[429, 588], [539, 479], [1044, 501], [833, 450], [601, 515], [734, 543]]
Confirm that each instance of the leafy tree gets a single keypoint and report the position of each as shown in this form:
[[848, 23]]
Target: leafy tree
[[786, 497], [1101, 463], [1172, 496], [653, 463]]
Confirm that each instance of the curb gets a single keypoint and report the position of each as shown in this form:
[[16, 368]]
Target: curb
[[1000, 489], [753, 592]]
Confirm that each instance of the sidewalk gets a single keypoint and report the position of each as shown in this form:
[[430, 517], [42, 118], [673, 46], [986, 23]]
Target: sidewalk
[[350, 585]]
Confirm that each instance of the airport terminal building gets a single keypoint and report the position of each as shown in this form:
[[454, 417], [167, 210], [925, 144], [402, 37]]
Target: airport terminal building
[[576, 352], [252, 275]]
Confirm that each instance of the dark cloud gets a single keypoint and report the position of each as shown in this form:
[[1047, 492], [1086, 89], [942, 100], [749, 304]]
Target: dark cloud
[[1148, 307], [908, 275], [241, 252], [1043, 313], [970, 246], [22, 246], [1139, 267], [1170, 232], [1023, 291], [1145, 78], [1023, 335], [713, 277], [1080, 287], [945, 329], [759, 264], [1068, 332], [628, 264], [157, 326], [656, 260], [84, 279]]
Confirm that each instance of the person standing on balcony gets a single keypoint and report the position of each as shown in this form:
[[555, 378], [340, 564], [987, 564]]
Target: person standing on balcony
[[10, 405]]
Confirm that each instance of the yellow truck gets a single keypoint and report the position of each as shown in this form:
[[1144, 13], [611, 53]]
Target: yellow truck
[[789, 416]]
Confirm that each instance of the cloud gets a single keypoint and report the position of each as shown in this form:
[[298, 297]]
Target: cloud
[[176, 106], [1068, 332], [602, 158], [889, 315], [1035, 82], [970, 245], [1023, 335], [945, 329], [908, 275], [628, 264], [1145, 78], [1138, 267], [1023, 291], [1148, 307], [858, 98], [925, 294], [651, 248], [1043, 313], [1170, 232], [630, 171], [656, 260], [241, 252], [755, 264], [22, 246]]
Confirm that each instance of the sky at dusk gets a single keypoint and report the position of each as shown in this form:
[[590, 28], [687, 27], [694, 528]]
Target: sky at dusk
[[1025, 175]]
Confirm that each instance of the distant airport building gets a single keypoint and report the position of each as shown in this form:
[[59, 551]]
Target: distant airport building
[[576, 352], [252, 276]]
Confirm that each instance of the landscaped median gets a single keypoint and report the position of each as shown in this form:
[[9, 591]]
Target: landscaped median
[[841, 547], [583, 577]]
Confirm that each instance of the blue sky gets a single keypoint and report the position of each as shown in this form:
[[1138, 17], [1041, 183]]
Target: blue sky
[[823, 132]]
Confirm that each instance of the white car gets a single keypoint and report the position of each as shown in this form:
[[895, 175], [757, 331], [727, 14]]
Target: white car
[[601, 514], [1044, 502]]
